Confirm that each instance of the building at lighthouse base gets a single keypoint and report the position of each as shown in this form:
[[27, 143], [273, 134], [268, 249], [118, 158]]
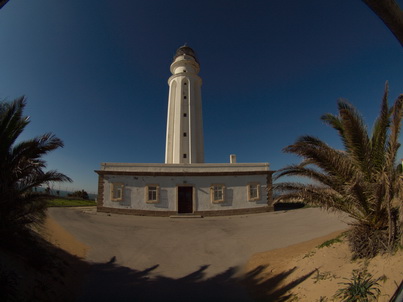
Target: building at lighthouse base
[[199, 189]]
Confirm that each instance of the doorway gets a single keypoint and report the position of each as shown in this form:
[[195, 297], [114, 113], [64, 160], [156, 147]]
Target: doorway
[[185, 199]]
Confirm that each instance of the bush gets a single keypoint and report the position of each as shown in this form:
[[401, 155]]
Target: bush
[[360, 288], [79, 194]]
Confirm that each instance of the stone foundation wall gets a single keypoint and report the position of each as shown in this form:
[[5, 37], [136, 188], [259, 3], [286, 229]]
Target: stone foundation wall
[[170, 213], [135, 212]]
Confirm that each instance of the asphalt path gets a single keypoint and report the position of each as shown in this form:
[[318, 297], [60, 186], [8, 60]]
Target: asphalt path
[[182, 259]]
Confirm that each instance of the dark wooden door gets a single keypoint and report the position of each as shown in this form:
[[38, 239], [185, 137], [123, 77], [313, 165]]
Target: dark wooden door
[[185, 200]]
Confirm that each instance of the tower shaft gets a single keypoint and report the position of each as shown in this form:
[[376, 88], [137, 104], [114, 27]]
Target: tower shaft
[[184, 140]]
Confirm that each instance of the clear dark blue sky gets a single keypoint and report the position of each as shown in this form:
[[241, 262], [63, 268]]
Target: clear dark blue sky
[[95, 73]]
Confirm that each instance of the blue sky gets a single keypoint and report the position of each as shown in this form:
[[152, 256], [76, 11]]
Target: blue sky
[[95, 74]]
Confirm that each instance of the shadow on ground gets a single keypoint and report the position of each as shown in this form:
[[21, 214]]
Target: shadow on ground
[[110, 282], [286, 206], [31, 269]]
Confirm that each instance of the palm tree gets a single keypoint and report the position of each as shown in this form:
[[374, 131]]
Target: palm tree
[[21, 169], [362, 181]]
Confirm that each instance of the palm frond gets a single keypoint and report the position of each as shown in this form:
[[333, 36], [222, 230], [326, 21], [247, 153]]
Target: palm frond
[[21, 169], [333, 162], [393, 146], [27, 154], [316, 195], [380, 134], [355, 135], [302, 170], [36, 179], [12, 122], [335, 122]]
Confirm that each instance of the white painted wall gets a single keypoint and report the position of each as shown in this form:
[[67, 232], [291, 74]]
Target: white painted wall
[[134, 191], [184, 98]]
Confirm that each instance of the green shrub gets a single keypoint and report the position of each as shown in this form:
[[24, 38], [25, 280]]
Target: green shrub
[[360, 288], [331, 242], [79, 194]]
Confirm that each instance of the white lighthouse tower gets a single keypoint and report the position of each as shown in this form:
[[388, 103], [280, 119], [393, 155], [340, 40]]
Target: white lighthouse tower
[[184, 184], [184, 140]]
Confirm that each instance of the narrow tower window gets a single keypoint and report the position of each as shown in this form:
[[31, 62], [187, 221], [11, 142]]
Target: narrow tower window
[[185, 97], [185, 155], [184, 115], [184, 134], [185, 83]]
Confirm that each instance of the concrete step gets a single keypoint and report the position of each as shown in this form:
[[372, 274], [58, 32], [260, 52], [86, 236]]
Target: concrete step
[[186, 215]]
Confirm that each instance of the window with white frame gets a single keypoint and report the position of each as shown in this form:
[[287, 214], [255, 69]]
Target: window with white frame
[[217, 193], [117, 191], [253, 191], [152, 193]]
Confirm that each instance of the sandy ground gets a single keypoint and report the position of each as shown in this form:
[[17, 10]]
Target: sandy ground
[[323, 269], [59, 237], [301, 272]]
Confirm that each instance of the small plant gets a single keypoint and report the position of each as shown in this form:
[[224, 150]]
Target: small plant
[[309, 254], [360, 288], [323, 276], [323, 299], [331, 242], [293, 298]]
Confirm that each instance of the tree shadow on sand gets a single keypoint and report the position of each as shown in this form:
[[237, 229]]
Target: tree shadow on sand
[[111, 282], [272, 288], [31, 269]]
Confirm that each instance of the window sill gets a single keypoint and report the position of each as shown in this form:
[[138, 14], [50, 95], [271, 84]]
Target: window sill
[[152, 201], [217, 201]]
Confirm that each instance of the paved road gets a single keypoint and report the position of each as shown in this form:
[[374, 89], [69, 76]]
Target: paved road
[[192, 255]]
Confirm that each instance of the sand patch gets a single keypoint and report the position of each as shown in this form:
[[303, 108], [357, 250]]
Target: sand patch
[[324, 268], [58, 236]]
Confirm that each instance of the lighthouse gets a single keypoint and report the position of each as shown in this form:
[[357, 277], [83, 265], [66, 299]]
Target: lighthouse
[[184, 184], [184, 137]]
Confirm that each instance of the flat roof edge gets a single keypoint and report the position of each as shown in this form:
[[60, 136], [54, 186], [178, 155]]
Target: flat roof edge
[[183, 173], [185, 168]]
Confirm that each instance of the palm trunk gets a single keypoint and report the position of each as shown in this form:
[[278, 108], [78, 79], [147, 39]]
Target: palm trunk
[[2, 3], [390, 13], [401, 222], [391, 226]]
